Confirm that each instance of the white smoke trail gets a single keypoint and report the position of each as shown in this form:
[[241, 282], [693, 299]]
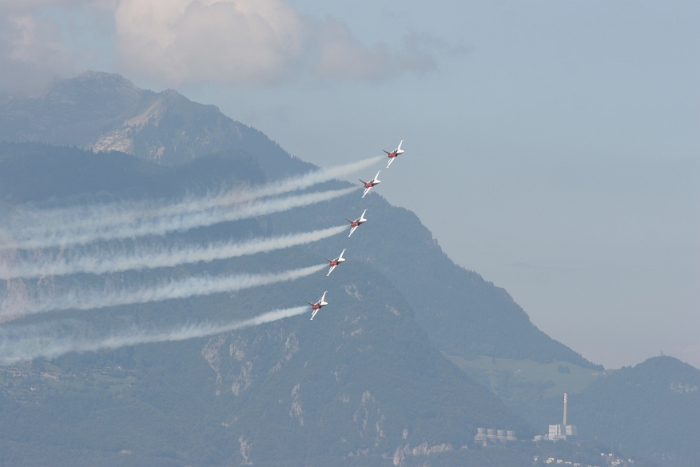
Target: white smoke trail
[[32, 224], [102, 261], [313, 178], [25, 343], [66, 235], [173, 289]]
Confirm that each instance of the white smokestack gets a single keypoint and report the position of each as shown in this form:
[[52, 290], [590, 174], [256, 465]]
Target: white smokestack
[[564, 409]]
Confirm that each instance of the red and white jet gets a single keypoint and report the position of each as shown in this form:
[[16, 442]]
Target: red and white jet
[[335, 262], [318, 305], [369, 185], [394, 154], [356, 223]]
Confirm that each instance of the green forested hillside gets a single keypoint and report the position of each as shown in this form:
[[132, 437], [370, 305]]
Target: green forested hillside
[[462, 313], [651, 410], [359, 384]]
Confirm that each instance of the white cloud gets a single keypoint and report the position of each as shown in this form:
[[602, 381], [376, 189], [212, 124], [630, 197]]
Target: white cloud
[[31, 52], [240, 42], [250, 42], [343, 56], [173, 42]]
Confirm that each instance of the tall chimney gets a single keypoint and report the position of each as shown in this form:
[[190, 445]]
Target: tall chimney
[[565, 409]]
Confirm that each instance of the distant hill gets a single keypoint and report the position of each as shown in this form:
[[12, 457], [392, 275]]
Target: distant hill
[[462, 314], [649, 411]]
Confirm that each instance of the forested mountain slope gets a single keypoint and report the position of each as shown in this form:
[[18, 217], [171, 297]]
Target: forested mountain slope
[[462, 314], [360, 384]]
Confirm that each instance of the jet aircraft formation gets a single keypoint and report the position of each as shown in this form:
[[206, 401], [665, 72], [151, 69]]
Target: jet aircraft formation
[[354, 224]]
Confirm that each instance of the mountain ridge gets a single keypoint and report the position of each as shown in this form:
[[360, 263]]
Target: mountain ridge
[[441, 300]]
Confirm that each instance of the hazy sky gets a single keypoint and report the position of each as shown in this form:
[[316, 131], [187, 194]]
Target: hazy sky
[[553, 147]]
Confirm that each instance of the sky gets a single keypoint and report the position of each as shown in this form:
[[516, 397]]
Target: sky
[[552, 147]]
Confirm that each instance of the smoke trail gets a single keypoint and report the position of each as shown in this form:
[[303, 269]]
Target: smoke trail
[[312, 178], [23, 343], [61, 235], [41, 223], [172, 289], [102, 261]]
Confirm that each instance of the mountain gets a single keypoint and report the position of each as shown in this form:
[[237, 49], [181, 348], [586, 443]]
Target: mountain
[[106, 112], [360, 385], [462, 313], [367, 385], [371, 384]]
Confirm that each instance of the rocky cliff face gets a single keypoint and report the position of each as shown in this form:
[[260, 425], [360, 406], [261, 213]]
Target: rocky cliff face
[[359, 382]]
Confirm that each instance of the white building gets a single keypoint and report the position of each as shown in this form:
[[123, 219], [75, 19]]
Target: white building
[[561, 431]]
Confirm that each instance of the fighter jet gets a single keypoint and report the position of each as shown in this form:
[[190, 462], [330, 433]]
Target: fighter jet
[[357, 222], [370, 184], [318, 305], [335, 262], [393, 154]]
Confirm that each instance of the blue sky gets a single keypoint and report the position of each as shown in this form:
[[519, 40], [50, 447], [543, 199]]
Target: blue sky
[[553, 147]]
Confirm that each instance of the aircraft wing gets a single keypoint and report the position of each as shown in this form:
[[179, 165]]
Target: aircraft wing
[[366, 191], [330, 270], [391, 159], [352, 230], [314, 314]]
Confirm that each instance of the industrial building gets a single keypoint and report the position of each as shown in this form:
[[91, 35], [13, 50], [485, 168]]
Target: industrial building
[[560, 431]]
